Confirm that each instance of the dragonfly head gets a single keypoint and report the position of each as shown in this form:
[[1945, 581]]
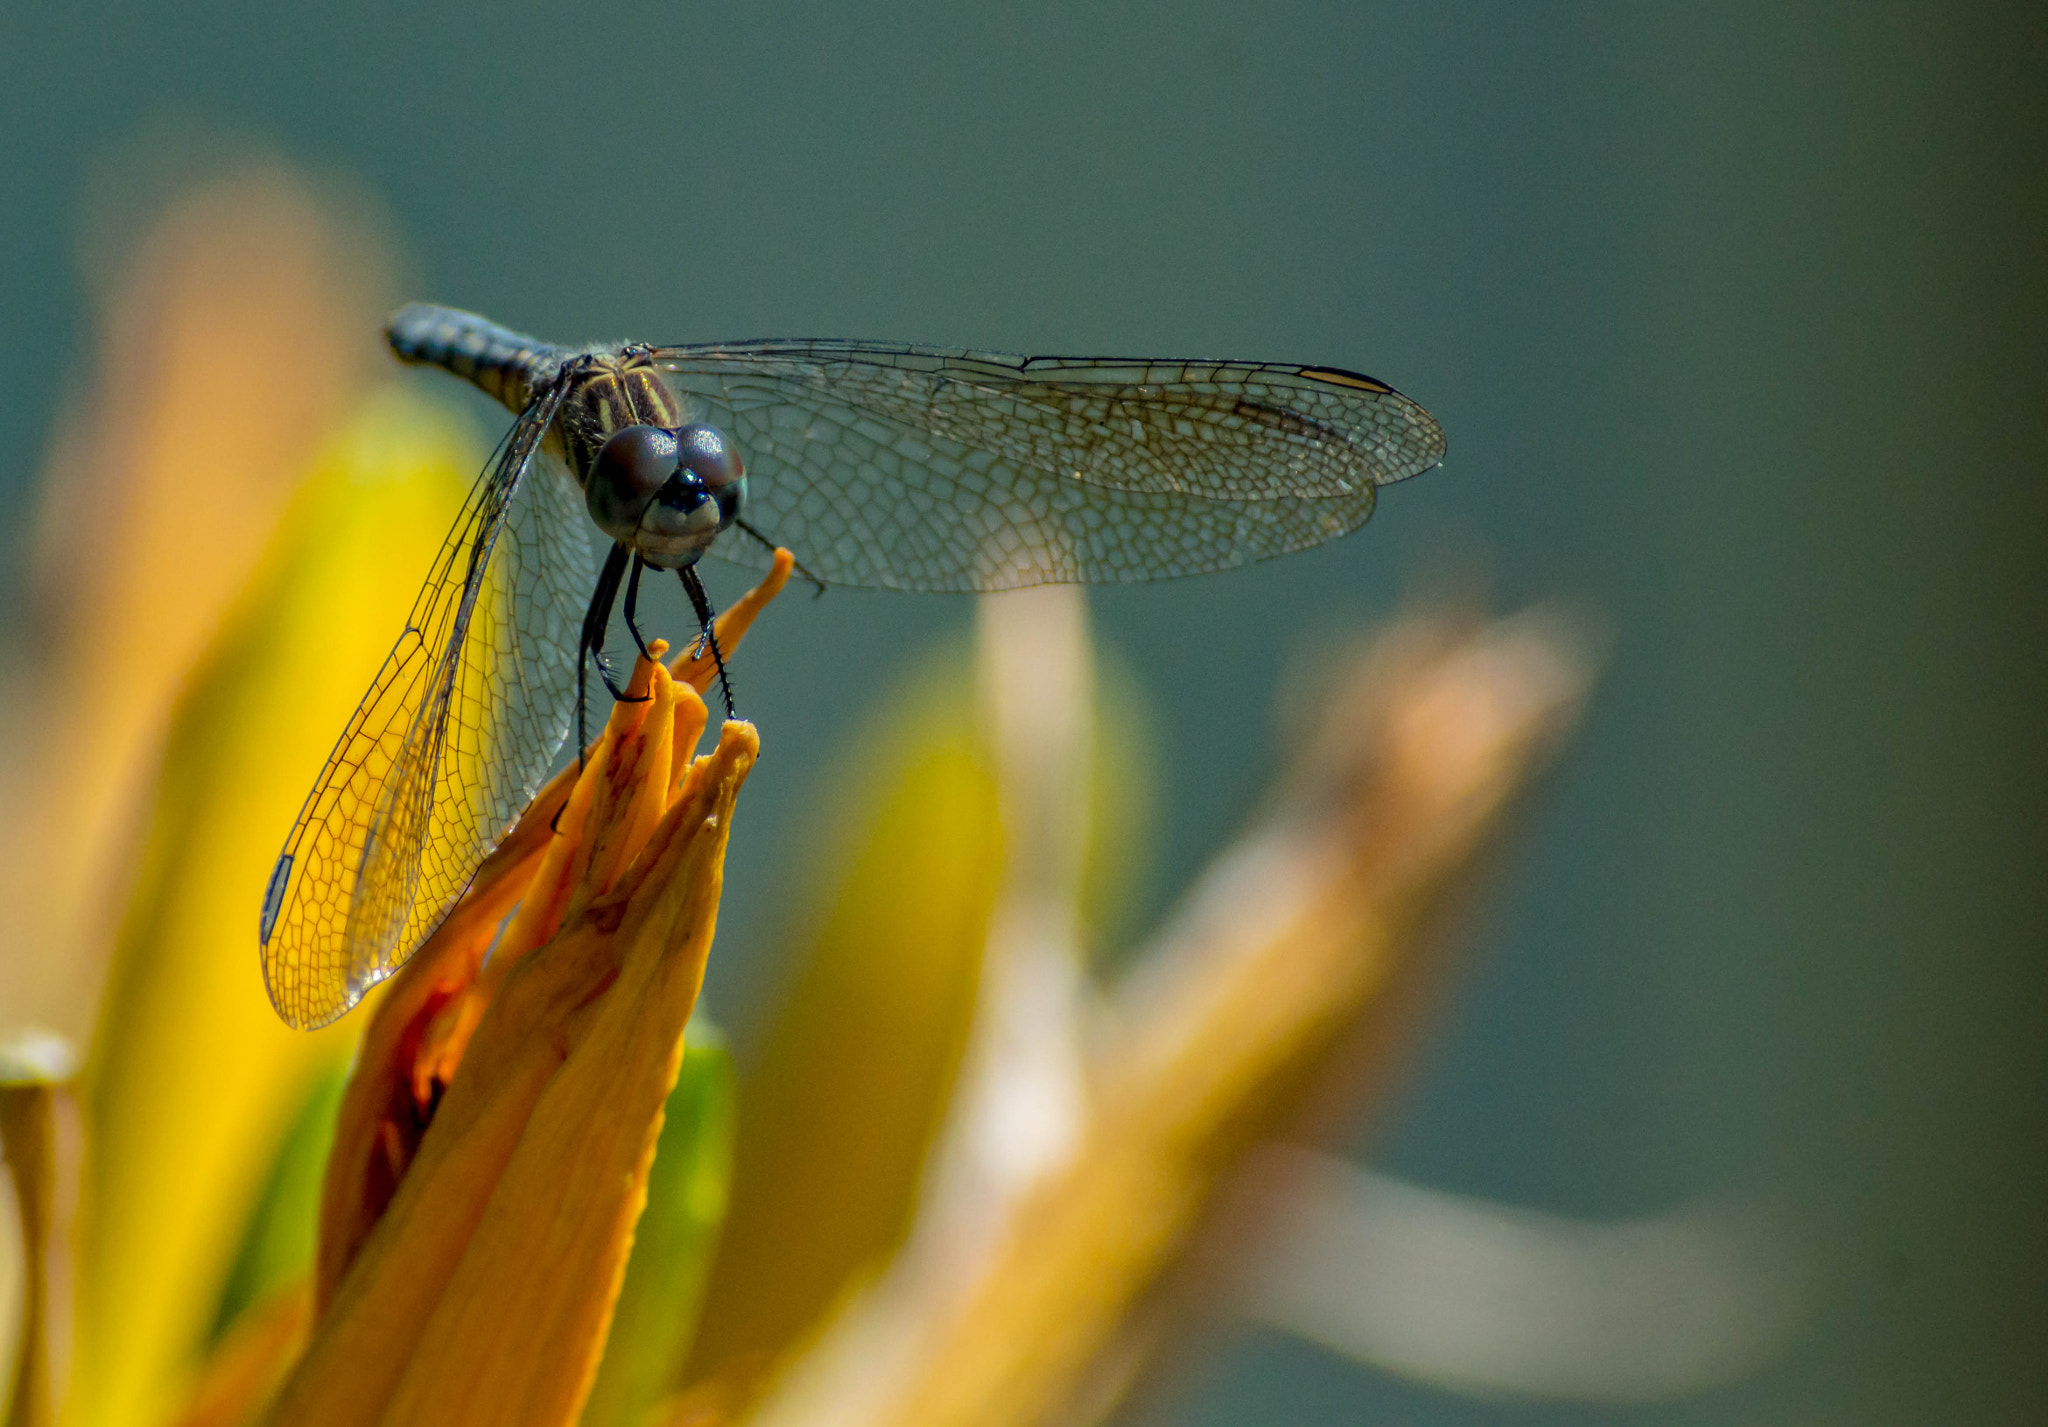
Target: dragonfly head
[[667, 493]]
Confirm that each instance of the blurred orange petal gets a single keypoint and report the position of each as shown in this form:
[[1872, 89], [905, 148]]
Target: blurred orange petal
[[182, 446], [1278, 990]]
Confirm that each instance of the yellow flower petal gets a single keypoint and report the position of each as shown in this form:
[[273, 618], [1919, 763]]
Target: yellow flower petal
[[854, 1079], [192, 1076]]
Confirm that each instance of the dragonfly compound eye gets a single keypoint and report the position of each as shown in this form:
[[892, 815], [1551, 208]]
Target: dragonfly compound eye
[[715, 462], [698, 501], [631, 468]]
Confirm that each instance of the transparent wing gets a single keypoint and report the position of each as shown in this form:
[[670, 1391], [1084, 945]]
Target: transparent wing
[[928, 468], [449, 744]]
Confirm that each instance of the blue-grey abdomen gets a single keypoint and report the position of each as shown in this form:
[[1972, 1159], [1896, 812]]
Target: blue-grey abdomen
[[504, 363]]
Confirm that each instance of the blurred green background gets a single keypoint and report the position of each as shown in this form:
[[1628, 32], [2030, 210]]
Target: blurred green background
[[1734, 316]]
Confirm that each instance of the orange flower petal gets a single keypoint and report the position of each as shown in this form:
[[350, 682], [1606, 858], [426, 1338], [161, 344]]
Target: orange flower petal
[[516, 1337], [506, 1239], [422, 1023]]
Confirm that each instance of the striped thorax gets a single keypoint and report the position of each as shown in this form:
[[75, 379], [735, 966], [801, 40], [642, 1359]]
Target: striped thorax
[[652, 480]]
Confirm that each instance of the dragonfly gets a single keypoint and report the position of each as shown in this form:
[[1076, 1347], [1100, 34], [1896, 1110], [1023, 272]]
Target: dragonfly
[[879, 464]]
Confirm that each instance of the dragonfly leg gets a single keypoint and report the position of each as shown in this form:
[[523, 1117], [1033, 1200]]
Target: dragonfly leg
[[633, 603], [590, 648], [706, 618], [597, 618]]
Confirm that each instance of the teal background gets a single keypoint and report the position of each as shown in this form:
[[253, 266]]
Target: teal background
[[1734, 316]]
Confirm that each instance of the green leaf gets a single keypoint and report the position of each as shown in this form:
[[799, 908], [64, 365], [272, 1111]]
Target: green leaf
[[277, 1244]]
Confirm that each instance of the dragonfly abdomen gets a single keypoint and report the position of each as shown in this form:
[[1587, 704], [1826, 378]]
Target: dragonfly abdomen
[[505, 364]]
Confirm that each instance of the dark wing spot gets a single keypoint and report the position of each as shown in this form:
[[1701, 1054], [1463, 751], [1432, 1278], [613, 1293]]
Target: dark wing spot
[[1281, 419]]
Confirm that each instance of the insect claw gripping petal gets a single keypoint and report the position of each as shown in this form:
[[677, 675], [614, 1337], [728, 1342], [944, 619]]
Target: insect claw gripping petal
[[700, 605]]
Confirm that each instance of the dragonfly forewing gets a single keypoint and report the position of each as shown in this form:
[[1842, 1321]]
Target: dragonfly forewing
[[924, 468], [456, 732]]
